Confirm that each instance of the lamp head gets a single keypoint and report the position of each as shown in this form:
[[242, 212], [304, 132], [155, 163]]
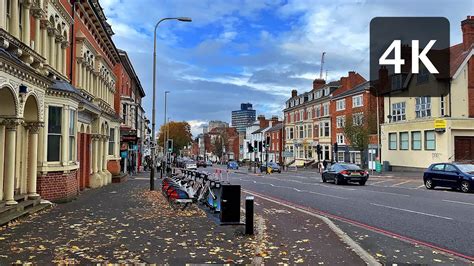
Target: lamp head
[[185, 19]]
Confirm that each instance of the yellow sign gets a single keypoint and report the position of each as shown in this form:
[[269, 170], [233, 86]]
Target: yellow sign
[[440, 124]]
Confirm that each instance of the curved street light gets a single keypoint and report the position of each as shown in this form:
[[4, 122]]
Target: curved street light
[[153, 147]]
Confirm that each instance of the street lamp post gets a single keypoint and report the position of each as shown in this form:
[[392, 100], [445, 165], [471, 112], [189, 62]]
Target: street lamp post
[[153, 147], [165, 135]]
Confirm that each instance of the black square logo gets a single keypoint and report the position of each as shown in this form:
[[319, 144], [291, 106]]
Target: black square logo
[[409, 56]]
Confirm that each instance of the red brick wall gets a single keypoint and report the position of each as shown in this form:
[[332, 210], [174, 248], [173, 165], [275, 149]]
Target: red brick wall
[[58, 186]]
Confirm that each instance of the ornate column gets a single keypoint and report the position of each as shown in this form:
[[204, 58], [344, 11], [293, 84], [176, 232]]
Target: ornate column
[[100, 152], [3, 25], [33, 129], [2, 158], [79, 74], [64, 46], [52, 47], [15, 19], [108, 175], [26, 23], [10, 145], [44, 39], [86, 81], [37, 17], [58, 65], [95, 180]]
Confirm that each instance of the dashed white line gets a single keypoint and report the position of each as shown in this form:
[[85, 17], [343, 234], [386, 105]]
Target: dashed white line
[[401, 183], [388, 193], [459, 202], [380, 181], [411, 211]]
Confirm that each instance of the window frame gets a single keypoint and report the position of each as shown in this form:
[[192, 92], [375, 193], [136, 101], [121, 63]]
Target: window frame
[[341, 105], [398, 112], [72, 134], [433, 140], [111, 141], [56, 134], [404, 143], [423, 107], [355, 100], [417, 140], [391, 141]]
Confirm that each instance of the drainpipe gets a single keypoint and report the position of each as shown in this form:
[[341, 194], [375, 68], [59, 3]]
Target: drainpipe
[[449, 93], [71, 53]]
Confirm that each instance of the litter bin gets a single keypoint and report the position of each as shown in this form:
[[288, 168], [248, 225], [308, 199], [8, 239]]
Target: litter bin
[[386, 166], [378, 167]]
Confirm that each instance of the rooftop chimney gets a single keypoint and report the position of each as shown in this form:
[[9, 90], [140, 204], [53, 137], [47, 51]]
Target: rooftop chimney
[[294, 93], [467, 27], [318, 83]]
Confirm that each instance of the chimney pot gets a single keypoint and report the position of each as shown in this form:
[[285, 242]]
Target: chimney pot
[[294, 93], [467, 27]]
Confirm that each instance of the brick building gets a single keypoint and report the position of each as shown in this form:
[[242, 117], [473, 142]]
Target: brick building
[[128, 99], [275, 146], [354, 103]]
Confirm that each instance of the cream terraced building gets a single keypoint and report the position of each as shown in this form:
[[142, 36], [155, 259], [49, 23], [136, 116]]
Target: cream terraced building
[[59, 132], [409, 136]]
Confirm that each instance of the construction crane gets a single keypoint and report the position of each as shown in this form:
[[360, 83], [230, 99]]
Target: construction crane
[[322, 64]]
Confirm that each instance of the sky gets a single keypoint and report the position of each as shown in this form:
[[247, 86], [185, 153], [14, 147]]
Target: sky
[[253, 51]]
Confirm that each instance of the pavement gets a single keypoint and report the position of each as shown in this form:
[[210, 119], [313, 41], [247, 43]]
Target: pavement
[[126, 223], [394, 218]]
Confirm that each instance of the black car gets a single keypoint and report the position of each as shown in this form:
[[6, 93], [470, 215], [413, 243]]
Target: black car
[[453, 175], [275, 167], [342, 173]]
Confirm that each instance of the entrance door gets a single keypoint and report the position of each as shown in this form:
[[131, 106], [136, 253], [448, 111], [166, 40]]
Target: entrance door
[[464, 149]]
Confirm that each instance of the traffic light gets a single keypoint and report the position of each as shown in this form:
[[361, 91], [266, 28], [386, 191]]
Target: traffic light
[[318, 150], [335, 148], [267, 143], [170, 145], [260, 146]]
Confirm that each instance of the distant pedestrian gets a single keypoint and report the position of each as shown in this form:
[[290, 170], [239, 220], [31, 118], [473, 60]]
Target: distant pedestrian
[[325, 164]]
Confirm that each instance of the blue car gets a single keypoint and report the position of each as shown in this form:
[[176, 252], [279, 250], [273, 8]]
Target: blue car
[[233, 165], [453, 175]]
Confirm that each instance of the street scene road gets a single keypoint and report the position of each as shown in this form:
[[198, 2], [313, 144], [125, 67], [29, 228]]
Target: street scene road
[[397, 207]]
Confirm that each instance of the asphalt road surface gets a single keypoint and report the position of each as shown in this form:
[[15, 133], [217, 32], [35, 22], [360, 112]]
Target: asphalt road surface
[[396, 207]]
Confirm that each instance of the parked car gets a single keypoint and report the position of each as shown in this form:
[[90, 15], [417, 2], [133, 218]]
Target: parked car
[[342, 173], [233, 165], [191, 165], [209, 163], [453, 175], [275, 167], [201, 163]]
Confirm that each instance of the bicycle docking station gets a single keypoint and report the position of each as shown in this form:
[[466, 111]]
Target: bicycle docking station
[[220, 199]]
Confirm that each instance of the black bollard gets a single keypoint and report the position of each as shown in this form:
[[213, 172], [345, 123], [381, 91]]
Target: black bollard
[[249, 215]]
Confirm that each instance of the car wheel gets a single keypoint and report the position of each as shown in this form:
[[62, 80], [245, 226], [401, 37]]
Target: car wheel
[[362, 183], [337, 180], [429, 183], [465, 187]]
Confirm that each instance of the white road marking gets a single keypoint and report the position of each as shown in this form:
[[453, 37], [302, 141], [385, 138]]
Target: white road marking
[[418, 187], [460, 202], [401, 183], [388, 193], [405, 210], [295, 189], [381, 181]]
